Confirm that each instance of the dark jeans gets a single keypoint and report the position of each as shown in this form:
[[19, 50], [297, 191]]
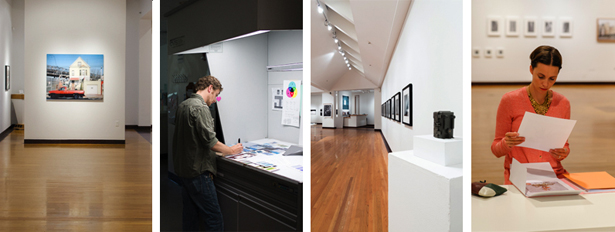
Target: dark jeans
[[201, 203]]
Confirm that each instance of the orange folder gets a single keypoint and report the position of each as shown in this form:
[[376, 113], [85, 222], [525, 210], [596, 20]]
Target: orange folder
[[592, 180]]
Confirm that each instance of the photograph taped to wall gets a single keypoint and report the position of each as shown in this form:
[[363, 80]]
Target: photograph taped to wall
[[512, 26], [7, 77], [548, 24], [530, 26], [327, 108], [345, 102], [277, 98], [407, 105], [565, 27], [494, 26], [606, 30], [75, 76]]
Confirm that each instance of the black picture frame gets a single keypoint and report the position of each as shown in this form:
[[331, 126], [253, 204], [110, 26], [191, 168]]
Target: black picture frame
[[406, 114], [328, 110], [390, 109], [397, 109], [386, 109], [7, 77]]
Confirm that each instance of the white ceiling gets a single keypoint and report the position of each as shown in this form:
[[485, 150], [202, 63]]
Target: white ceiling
[[367, 30]]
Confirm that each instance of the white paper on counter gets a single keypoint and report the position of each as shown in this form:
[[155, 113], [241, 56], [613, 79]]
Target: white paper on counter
[[544, 132]]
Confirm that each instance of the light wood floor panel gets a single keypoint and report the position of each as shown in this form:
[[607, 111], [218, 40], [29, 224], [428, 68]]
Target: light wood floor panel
[[349, 180], [592, 142], [75, 187]]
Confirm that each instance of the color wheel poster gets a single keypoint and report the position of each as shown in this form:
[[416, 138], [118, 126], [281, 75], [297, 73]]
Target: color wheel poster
[[292, 103]]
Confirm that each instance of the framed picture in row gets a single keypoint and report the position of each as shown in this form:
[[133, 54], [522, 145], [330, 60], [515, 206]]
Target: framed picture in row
[[397, 109], [406, 94]]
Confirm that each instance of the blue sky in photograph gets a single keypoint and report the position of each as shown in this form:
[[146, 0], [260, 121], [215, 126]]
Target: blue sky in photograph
[[65, 60]]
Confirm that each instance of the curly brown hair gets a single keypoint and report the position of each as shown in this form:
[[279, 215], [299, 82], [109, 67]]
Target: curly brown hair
[[206, 81]]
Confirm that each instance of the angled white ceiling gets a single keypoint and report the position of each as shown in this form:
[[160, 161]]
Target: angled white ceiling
[[367, 31]]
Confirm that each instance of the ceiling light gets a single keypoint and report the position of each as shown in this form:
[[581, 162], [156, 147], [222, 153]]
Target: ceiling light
[[329, 27], [339, 47], [346, 61], [335, 39], [320, 10], [349, 68]]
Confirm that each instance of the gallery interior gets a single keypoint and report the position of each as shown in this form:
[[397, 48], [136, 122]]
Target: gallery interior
[[260, 66], [585, 79], [77, 157], [366, 161]]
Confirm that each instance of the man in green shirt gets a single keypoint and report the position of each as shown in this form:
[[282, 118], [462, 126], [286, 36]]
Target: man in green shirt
[[194, 156]]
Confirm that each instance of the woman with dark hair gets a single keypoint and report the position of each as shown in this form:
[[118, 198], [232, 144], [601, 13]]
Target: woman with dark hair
[[546, 63]]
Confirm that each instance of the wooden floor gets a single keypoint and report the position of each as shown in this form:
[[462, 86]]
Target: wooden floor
[[349, 180], [75, 187], [592, 142]]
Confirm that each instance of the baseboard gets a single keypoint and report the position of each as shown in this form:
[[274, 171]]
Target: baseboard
[[6, 132], [378, 130], [385, 142], [328, 127], [139, 128], [72, 141], [558, 83]]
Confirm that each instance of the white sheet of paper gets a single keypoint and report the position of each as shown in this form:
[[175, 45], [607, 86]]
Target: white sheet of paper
[[544, 132]]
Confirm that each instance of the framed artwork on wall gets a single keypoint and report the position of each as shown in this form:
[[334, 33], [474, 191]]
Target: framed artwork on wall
[[512, 26], [548, 26], [605, 28], [406, 113], [494, 26], [7, 77], [565, 27], [530, 26], [327, 110], [345, 102], [397, 109], [488, 52], [75, 77], [389, 109]]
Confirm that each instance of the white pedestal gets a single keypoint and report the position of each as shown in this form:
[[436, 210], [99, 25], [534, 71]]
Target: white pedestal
[[424, 196], [19, 108], [444, 152]]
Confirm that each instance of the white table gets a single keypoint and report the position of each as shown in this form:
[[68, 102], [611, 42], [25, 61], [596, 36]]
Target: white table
[[512, 211], [355, 120], [283, 163]]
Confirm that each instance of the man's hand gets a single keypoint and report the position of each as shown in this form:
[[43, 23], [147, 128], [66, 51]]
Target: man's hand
[[236, 149]]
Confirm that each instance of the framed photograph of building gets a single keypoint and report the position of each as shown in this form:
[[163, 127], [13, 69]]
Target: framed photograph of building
[[327, 110], [406, 113], [512, 26], [606, 30], [565, 27], [530, 26], [548, 27], [7, 77], [75, 77], [397, 109], [494, 26]]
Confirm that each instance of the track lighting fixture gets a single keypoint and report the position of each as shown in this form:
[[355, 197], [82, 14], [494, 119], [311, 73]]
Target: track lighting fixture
[[320, 10]]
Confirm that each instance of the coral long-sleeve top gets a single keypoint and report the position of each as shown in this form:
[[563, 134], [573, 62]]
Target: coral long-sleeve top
[[512, 107]]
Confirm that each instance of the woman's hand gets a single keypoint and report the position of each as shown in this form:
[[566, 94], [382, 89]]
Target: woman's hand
[[513, 139], [559, 154]]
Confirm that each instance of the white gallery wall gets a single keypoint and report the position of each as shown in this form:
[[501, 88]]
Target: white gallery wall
[[104, 33], [138, 63], [241, 69], [431, 59], [17, 48], [5, 59], [283, 47], [316, 104], [377, 109], [584, 59]]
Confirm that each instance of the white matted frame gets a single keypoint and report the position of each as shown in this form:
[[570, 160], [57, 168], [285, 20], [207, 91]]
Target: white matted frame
[[512, 26], [548, 27], [488, 52], [494, 26], [499, 52], [604, 34], [476, 52], [565, 27], [530, 26]]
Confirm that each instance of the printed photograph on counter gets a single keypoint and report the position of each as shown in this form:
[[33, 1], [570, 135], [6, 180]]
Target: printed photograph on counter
[[379, 71], [231, 119], [542, 128]]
